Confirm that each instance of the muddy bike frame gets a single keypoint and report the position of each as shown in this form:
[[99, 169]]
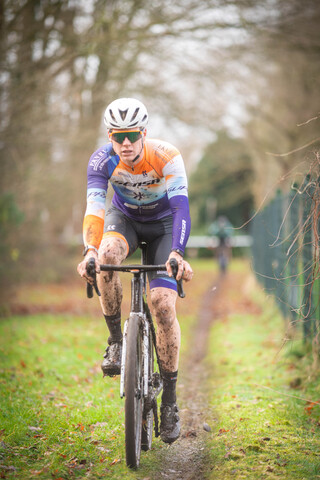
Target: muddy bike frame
[[139, 383]]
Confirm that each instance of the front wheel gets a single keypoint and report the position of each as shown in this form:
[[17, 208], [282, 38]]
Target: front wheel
[[133, 392]]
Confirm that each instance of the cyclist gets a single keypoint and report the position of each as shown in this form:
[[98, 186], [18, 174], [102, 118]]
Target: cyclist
[[150, 204]]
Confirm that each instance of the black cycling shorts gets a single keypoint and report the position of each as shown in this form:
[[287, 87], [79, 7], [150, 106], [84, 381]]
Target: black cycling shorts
[[157, 235]]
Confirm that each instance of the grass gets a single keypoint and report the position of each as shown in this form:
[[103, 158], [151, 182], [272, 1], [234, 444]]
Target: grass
[[58, 414], [262, 425]]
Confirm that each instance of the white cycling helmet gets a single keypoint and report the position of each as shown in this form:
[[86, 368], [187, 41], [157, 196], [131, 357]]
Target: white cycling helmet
[[126, 113]]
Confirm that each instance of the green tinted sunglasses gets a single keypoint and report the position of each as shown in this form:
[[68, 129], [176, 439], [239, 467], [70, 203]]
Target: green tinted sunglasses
[[132, 135]]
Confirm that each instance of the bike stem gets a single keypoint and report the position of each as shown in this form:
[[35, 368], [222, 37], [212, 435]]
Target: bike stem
[[137, 292]]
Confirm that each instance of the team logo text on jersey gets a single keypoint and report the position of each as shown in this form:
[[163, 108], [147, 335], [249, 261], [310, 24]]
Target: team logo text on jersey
[[99, 160], [176, 189], [136, 184], [138, 196], [183, 231], [98, 194]]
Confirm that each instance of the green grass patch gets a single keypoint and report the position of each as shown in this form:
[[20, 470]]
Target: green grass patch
[[262, 425], [58, 417]]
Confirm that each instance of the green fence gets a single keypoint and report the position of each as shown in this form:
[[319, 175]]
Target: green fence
[[286, 255]]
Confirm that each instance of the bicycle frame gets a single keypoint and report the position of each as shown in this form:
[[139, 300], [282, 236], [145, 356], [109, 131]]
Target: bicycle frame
[[138, 302], [139, 306]]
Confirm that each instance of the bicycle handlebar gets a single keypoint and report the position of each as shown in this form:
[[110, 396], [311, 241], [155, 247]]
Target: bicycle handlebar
[[174, 267], [131, 268], [91, 271]]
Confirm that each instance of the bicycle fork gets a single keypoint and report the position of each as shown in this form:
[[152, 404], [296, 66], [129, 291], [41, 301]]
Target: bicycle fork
[[145, 355], [123, 358]]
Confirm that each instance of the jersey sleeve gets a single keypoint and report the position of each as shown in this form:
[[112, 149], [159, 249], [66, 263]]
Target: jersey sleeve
[[100, 167], [177, 191], [93, 221]]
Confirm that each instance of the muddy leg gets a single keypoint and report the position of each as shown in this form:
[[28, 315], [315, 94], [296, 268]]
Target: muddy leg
[[168, 328], [112, 251], [168, 342]]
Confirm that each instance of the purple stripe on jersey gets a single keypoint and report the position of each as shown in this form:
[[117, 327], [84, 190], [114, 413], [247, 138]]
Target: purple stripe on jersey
[[101, 166], [164, 282], [143, 213], [181, 221]]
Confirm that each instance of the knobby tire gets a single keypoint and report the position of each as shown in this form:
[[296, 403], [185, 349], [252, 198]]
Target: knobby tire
[[133, 392]]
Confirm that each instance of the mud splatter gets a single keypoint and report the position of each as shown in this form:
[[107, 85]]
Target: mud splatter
[[168, 328], [112, 251]]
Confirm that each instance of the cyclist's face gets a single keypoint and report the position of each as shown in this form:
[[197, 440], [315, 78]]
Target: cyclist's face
[[128, 150]]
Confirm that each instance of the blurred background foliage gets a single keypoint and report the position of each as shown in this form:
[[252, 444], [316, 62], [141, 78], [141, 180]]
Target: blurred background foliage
[[234, 84]]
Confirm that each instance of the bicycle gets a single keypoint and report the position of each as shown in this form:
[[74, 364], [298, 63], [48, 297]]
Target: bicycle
[[140, 384]]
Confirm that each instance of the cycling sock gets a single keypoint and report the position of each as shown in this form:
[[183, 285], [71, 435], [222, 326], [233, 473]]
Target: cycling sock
[[169, 387], [114, 325]]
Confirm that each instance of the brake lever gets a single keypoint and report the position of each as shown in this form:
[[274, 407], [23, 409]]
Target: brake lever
[[174, 267], [91, 271]]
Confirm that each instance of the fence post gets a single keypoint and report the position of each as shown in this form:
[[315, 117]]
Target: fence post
[[293, 252], [279, 255], [316, 286], [307, 261]]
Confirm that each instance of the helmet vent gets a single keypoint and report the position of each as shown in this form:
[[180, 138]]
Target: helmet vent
[[123, 113], [135, 114], [112, 116]]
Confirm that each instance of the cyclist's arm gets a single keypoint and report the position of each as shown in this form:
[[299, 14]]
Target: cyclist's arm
[[177, 191], [93, 221], [100, 167], [93, 224]]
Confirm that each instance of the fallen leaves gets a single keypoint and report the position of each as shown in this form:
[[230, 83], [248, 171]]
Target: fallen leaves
[[77, 464], [35, 429], [80, 426], [206, 427], [310, 406], [39, 472], [190, 434], [99, 424], [295, 383], [9, 468], [254, 448]]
